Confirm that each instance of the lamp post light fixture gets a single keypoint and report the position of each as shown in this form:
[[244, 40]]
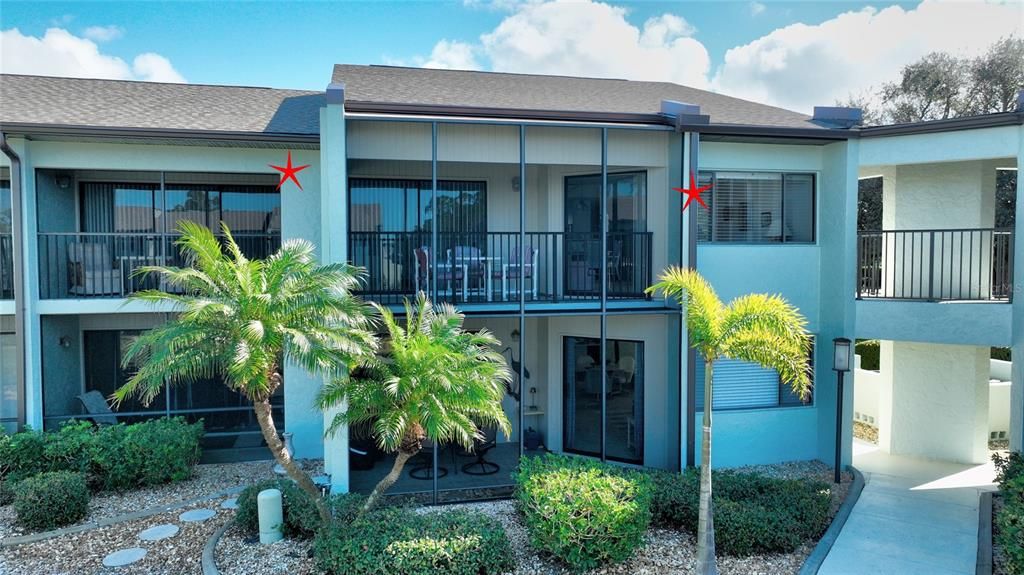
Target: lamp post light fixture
[[840, 364]]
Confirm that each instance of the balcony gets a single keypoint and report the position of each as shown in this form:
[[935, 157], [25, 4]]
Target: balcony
[[936, 265], [101, 265], [486, 267]]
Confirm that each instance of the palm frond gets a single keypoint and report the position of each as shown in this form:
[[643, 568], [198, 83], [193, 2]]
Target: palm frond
[[704, 310]]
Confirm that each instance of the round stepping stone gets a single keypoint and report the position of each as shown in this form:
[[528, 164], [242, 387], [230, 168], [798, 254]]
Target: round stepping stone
[[197, 515], [159, 532], [124, 557], [230, 503]]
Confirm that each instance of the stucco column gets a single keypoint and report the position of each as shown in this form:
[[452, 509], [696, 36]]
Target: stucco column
[[334, 248], [934, 401], [33, 353], [1017, 391]]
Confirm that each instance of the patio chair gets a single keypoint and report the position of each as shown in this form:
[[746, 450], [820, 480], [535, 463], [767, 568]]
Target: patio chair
[[470, 260], [97, 408], [424, 468], [446, 273], [91, 270], [482, 446], [510, 273]]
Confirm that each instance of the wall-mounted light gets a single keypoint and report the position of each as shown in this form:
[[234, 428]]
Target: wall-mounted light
[[63, 181], [514, 336], [65, 341], [517, 184]]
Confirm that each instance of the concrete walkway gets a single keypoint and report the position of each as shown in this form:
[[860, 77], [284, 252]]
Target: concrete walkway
[[914, 516]]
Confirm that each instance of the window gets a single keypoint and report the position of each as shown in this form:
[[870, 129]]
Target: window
[[389, 205], [757, 208], [744, 385]]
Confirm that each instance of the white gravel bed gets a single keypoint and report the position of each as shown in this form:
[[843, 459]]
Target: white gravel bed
[[83, 553], [208, 480], [666, 550]]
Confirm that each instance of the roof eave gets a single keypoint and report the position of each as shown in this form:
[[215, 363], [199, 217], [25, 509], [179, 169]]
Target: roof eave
[[947, 125], [72, 130]]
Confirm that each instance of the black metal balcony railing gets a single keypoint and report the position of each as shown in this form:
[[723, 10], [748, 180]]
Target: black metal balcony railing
[[100, 265], [6, 267], [936, 265], [481, 267]]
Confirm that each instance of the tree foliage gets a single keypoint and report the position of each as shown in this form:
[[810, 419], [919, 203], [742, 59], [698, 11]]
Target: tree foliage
[[941, 85]]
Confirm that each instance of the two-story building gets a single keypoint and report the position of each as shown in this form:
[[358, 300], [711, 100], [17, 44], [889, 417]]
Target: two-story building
[[542, 207]]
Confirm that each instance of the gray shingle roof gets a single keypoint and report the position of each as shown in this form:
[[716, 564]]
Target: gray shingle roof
[[197, 107], [389, 84], [127, 104]]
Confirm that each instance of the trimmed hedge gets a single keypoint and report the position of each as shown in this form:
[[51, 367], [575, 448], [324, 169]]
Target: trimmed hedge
[[753, 513], [115, 457], [51, 499], [1009, 521], [583, 513], [301, 518], [398, 540]]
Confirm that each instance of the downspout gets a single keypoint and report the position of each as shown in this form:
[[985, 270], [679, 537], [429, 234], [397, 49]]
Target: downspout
[[18, 268]]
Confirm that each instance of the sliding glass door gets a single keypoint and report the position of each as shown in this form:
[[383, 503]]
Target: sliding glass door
[[582, 425]]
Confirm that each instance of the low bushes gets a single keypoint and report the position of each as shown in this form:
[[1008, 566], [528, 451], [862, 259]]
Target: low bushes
[[752, 513], [301, 518], [397, 540], [51, 499], [114, 457], [583, 513], [1009, 522]]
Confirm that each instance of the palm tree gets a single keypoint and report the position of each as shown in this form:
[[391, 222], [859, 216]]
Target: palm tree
[[437, 381], [242, 319], [760, 328]]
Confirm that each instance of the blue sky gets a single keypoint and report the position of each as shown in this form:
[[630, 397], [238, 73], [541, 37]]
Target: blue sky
[[293, 45]]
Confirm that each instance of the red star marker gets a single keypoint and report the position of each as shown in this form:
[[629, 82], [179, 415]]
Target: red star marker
[[288, 172], [693, 192]]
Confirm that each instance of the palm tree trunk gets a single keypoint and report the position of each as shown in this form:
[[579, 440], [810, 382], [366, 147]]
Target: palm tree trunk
[[706, 562], [396, 471], [266, 420]]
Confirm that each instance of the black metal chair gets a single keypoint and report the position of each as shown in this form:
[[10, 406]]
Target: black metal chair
[[424, 468], [481, 466]]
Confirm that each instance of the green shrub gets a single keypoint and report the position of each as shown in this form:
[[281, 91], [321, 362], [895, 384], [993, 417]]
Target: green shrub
[[396, 540], [6, 493], [1009, 521], [869, 351], [111, 458], [753, 513], [51, 499], [301, 517], [586, 514], [345, 507], [148, 453]]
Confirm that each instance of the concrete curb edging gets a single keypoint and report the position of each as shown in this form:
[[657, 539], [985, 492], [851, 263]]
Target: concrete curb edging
[[134, 516], [817, 556], [209, 563], [983, 566]]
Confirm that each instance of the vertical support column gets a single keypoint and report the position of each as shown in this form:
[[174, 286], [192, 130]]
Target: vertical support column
[[837, 237], [333, 227], [604, 294], [1017, 355], [690, 235], [29, 285], [522, 282]]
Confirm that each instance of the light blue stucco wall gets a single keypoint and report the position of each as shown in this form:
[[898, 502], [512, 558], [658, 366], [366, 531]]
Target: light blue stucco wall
[[953, 146], [977, 323], [809, 276], [62, 366]]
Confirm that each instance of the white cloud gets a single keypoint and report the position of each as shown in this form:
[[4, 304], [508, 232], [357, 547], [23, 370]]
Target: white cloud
[[756, 8], [454, 55], [586, 38], [801, 65], [60, 53], [103, 33]]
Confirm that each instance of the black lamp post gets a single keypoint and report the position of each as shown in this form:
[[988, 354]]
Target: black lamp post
[[840, 364]]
